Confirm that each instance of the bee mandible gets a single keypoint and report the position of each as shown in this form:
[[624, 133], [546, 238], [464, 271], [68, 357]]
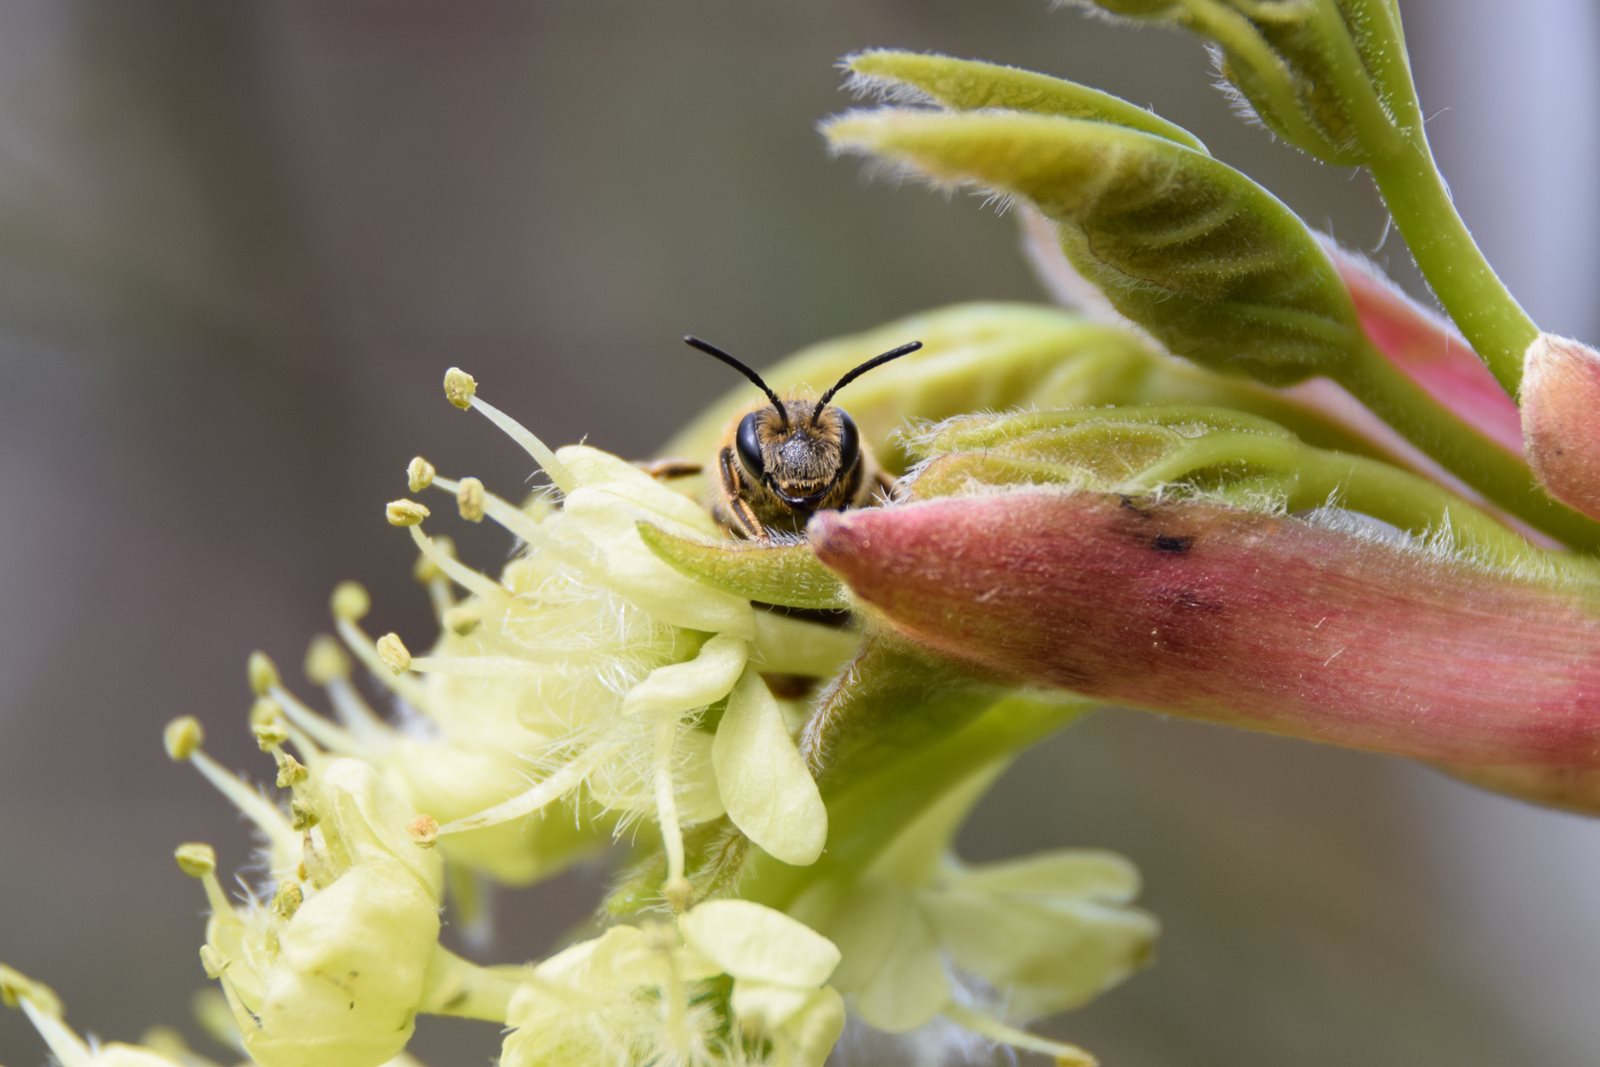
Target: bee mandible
[[780, 463]]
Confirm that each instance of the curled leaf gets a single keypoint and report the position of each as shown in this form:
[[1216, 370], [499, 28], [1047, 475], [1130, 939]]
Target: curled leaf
[[785, 574], [1208, 262], [970, 85]]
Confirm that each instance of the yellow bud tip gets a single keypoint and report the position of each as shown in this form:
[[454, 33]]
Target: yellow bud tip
[[326, 661], [469, 499], [15, 987], [262, 672], [394, 653], [405, 513], [424, 830], [460, 387], [419, 474], [183, 737], [196, 859], [462, 619], [350, 601]]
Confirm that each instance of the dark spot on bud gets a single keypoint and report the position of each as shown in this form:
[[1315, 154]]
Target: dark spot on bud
[[1173, 544]]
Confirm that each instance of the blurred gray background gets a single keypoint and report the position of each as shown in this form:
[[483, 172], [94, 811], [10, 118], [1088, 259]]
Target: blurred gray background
[[240, 242]]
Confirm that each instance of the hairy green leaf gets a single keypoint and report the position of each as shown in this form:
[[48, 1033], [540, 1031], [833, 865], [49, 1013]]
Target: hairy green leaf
[[1214, 266], [785, 574], [970, 85]]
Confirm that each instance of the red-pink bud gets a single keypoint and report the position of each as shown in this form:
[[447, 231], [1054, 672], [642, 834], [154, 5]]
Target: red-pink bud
[[1561, 419], [1219, 613]]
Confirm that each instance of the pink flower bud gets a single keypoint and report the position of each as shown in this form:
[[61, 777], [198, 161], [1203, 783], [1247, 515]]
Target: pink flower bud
[[1230, 615], [1560, 427]]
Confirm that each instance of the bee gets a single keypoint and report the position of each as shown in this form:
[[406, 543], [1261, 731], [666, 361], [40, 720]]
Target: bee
[[780, 463]]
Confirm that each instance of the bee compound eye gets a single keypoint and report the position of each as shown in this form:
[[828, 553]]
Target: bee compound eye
[[747, 443], [849, 442]]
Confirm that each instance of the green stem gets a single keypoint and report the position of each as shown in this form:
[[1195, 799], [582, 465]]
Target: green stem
[[866, 817], [1502, 476], [1455, 268], [458, 987]]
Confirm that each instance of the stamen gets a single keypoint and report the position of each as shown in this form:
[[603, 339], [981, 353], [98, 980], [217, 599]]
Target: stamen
[[405, 512], [563, 780], [59, 1038], [365, 650], [261, 672], [325, 733], [358, 717], [199, 861], [554, 469], [350, 600], [676, 888], [518, 523], [183, 744], [467, 578]]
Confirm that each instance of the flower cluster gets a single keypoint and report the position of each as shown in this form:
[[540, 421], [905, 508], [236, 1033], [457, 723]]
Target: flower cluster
[[1251, 483]]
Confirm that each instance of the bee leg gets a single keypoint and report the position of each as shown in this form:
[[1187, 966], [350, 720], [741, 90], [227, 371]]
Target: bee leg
[[667, 469], [733, 511]]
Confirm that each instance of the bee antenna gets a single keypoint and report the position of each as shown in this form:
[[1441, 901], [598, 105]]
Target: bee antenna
[[712, 350], [875, 361]]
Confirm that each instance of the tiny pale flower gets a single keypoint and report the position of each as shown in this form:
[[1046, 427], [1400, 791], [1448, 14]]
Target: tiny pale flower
[[734, 985]]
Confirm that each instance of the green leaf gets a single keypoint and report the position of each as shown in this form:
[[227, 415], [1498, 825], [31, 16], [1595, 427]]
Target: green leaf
[[1206, 260], [969, 85], [1329, 76], [787, 575]]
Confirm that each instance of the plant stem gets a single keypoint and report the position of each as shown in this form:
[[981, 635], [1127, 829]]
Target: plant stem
[[1500, 475], [1455, 268]]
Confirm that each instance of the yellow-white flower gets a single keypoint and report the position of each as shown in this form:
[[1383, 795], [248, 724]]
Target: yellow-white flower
[[43, 1009], [331, 969], [925, 935], [735, 984], [622, 688]]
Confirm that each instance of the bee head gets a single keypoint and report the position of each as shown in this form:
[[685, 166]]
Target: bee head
[[798, 448]]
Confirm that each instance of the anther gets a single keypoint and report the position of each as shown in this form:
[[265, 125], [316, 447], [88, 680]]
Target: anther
[[419, 474], [183, 737], [405, 513], [394, 654], [350, 601], [262, 672], [462, 619], [424, 830], [459, 387], [469, 499], [326, 660], [196, 859]]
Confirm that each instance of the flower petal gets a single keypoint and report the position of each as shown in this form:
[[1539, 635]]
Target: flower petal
[[754, 942], [764, 783]]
